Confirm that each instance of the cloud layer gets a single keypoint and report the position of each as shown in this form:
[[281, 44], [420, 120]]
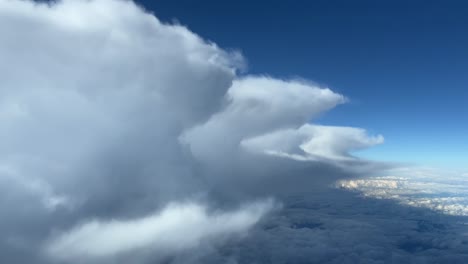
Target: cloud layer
[[335, 226], [443, 191]]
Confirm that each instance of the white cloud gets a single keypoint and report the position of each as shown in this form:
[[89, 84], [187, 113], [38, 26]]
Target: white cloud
[[314, 142], [93, 98], [176, 228], [442, 191], [96, 93], [255, 106]]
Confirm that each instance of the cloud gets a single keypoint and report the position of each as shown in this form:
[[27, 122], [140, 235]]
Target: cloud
[[109, 114], [313, 142], [33, 187], [442, 191], [175, 228], [336, 226], [257, 105], [98, 101], [95, 96]]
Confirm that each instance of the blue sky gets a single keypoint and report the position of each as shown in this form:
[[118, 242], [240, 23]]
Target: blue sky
[[402, 64]]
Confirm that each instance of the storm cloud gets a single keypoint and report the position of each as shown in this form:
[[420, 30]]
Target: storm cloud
[[127, 139]]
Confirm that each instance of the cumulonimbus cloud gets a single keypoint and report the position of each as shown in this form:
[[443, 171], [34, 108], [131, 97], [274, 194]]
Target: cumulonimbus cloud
[[119, 114], [257, 105]]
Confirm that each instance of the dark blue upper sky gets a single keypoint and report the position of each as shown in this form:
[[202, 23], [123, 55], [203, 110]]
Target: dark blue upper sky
[[403, 64]]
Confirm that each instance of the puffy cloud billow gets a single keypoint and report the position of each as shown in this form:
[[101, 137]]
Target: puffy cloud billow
[[175, 228], [125, 139]]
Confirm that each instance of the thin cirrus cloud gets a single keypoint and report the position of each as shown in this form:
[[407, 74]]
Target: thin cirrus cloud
[[117, 115]]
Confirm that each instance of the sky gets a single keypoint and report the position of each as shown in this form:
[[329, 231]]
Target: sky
[[402, 64], [170, 132]]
